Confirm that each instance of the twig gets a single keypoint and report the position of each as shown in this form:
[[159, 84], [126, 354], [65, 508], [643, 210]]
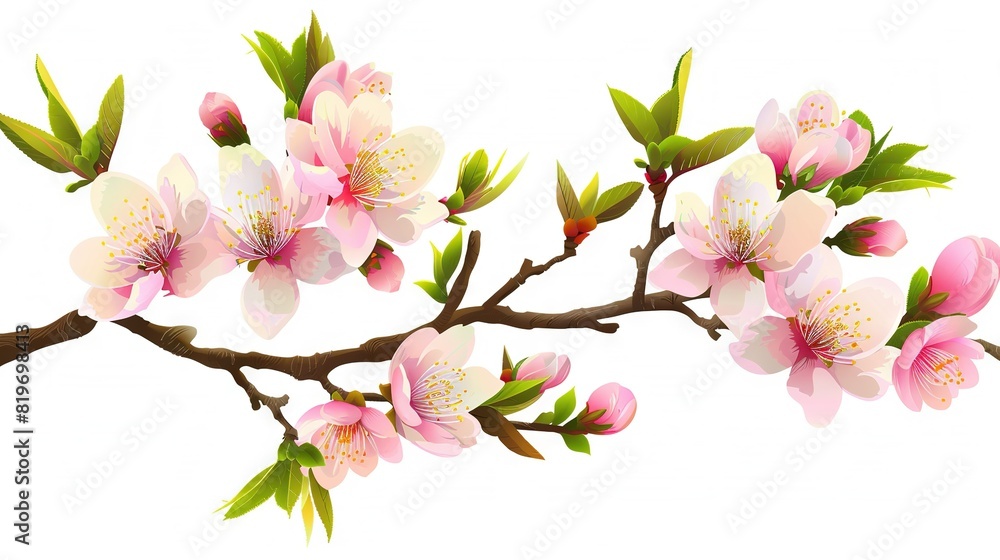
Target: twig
[[461, 285], [991, 349], [529, 269]]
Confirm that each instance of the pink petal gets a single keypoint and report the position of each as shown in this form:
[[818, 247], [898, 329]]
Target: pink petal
[[115, 195], [404, 222], [331, 77], [775, 135], [402, 393], [432, 438], [737, 297], [690, 223], [341, 413], [245, 173], [354, 228], [369, 122], [947, 328], [813, 387], [904, 380], [408, 354], [767, 345], [683, 273], [869, 377], [816, 109], [270, 298], [314, 256], [817, 272], [193, 264], [451, 348], [798, 227], [188, 207], [384, 435], [93, 262], [875, 305]]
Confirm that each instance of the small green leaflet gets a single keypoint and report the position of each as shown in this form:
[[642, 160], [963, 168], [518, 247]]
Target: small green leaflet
[[569, 205], [322, 503], [565, 405], [63, 124], [713, 147], [638, 120], [256, 492], [577, 442], [904, 331], [616, 201], [445, 265], [289, 485], [918, 283]]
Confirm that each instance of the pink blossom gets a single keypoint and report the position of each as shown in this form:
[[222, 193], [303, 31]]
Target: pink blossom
[[812, 137], [350, 437], [384, 270], [832, 338], [433, 392], [967, 270], [336, 77], [262, 225], [374, 178], [747, 226], [548, 366], [618, 406], [155, 240], [935, 362], [889, 237], [215, 109]]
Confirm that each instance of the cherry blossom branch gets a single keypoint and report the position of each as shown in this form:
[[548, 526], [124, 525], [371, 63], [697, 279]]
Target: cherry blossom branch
[[538, 427], [461, 285], [273, 404], [657, 235], [529, 269]]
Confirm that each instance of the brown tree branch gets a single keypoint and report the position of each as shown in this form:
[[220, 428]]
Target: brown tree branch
[[990, 348], [529, 269], [657, 235], [461, 285], [273, 404], [538, 427]]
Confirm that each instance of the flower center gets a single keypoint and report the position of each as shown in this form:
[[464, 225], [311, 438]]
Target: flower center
[[344, 443], [265, 224], [937, 367], [738, 232], [379, 173], [141, 238], [832, 331], [437, 397]]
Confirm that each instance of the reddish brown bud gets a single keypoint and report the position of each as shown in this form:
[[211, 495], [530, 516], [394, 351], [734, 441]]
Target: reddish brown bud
[[570, 229], [587, 225]]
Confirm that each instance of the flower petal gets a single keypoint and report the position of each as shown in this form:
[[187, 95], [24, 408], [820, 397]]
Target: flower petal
[[314, 256], [767, 346], [404, 222], [451, 348], [246, 173], [868, 378], [691, 223], [418, 152], [775, 135], [193, 264], [341, 413], [480, 384], [817, 272], [683, 273], [872, 307], [798, 227], [354, 228], [270, 298], [188, 207], [115, 196], [737, 297], [95, 264], [813, 387]]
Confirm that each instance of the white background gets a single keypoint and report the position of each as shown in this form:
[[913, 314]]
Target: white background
[[708, 439]]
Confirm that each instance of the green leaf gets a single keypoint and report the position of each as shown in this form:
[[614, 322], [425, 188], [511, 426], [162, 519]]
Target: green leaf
[[439, 277], [283, 64], [289, 486], [43, 148], [588, 198], [918, 283], [666, 113], [284, 448], [109, 122], [64, 126], [900, 185], [291, 110], [671, 146], [452, 254], [433, 290], [897, 154], [324, 507], [456, 200], [474, 172], [495, 424], [298, 68], [270, 65], [891, 172], [653, 155], [492, 193], [256, 492], [545, 418], [515, 395], [637, 118], [569, 205], [308, 511], [565, 405], [506, 362], [755, 271], [90, 146], [713, 147], [318, 50], [851, 196], [904, 331], [577, 442], [310, 456], [616, 201]]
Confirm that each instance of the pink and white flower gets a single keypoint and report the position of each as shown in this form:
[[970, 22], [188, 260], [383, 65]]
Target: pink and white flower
[[968, 271], [336, 77], [936, 362], [818, 134], [832, 338], [433, 392], [375, 179], [155, 240], [351, 438], [548, 366], [747, 226], [384, 269], [263, 226]]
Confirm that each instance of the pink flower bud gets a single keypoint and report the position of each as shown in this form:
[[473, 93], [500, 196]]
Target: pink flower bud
[[967, 270], [882, 238], [548, 366], [384, 270], [618, 404], [216, 114]]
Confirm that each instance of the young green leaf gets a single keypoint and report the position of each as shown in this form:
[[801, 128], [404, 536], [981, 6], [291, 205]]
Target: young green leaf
[[713, 147], [310, 456], [433, 290], [73, 187], [109, 122], [506, 361], [900, 185], [256, 492], [681, 73], [319, 53], [452, 254], [918, 283], [897, 154], [516, 394], [565, 405], [904, 331], [616, 201], [269, 64], [64, 126], [90, 146], [577, 442], [43, 148], [283, 64], [474, 172], [666, 112], [298, 68], [851, 196], [569, 205], [495, 191], [638, 120], [308, 511], [671, 146], [588, 198], [439, 278], [545, 418], [286, 493], [324, 507]]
